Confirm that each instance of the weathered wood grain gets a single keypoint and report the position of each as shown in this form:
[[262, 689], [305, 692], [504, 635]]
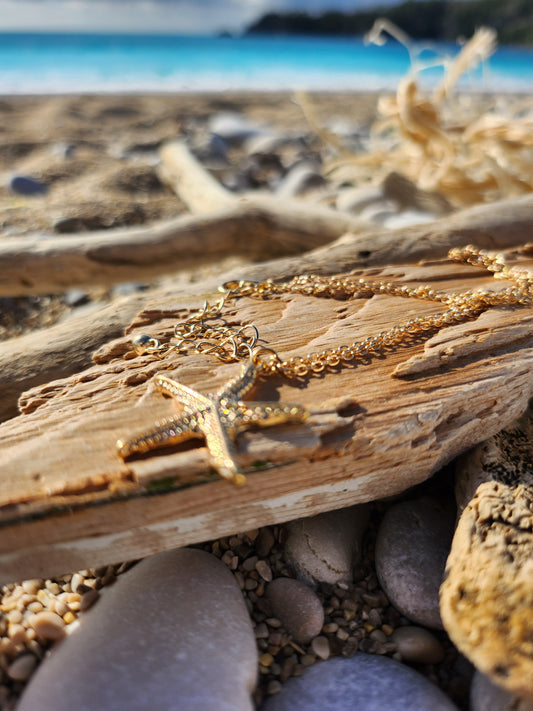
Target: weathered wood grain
[[59, 350], [68, 501]]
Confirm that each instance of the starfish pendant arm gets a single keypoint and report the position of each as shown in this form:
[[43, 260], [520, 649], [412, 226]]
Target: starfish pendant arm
[[169, 431], [237, 387], [216, 418], [191, 399]]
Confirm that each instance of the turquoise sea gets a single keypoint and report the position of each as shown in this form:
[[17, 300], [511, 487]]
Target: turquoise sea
[[65, 63]]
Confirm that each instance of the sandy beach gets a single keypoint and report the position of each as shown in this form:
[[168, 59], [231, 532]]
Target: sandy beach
[[108, 179], [97, 155]]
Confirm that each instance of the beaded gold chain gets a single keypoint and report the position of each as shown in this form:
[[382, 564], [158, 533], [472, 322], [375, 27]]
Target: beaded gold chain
[[218, 418]]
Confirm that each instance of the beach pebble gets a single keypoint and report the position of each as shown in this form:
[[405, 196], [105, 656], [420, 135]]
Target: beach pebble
[[173, 632], [353, 135], [486, 696], [234, 128], [265, 541], [300, 177], [324, 548], [365, 682], [412, 546], [214, 149], [75, 297], [342, 126], [270, 143], [378, 212], [406, 195], [297, 607], [63, 150], [47, 625], [237, 182], [408, 218], [263, 170], [418, 645], [129, 287], [320, 647], [24, 185], [357, 199], [22, 667]]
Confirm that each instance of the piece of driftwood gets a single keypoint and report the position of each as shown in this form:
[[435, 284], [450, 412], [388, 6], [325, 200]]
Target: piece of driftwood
[[59, 350], [37, 264], [27, 361], [198, 189], [265, 229], [487, 595], [66, 347], [68, 501]]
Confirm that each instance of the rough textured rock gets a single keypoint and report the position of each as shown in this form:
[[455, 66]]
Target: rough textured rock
[[297, 607], [411, 548], [174, 632], [324, 548], [486, 696], [487, 596], [365, 682]]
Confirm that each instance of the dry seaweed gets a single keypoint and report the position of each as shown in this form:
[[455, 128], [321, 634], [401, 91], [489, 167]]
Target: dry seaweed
[[435, 136]]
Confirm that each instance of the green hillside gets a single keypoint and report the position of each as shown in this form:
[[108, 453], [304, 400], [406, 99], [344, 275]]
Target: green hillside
[[426, 19]]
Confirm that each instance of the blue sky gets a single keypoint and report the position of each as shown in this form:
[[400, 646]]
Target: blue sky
[[187, 16]]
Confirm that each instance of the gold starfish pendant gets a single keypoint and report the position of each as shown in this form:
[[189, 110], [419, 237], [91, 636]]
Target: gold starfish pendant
[[216, 418]]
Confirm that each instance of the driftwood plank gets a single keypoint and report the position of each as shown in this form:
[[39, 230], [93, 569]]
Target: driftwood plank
[[68, 501], [66, 347], [263, 228]]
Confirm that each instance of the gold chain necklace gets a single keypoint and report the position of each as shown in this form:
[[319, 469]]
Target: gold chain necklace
[[217, 418]]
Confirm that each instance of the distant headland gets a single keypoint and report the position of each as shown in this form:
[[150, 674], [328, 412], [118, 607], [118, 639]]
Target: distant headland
[[442, 20]]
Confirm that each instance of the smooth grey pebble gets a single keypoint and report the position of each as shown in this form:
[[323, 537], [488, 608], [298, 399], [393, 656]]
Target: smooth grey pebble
[[297, 607], [356, 199], [172, 633], [412, 546], [300, 178], [213, 150], [366, 682], [234, 128], [271, 143], [378, 212]]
